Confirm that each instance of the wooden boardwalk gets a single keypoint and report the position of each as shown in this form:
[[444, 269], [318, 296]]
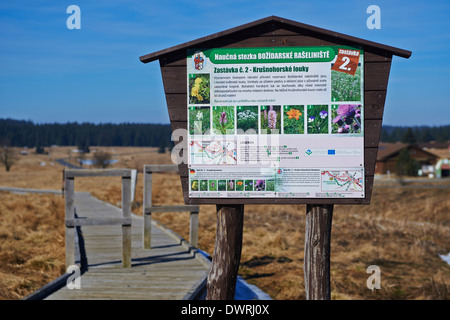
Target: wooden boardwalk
[[171, 270]]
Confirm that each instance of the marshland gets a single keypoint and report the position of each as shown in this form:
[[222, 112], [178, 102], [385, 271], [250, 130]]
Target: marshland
[[404, 231]]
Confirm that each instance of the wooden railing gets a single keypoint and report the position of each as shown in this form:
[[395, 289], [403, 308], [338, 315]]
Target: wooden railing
[[148, 208], [72, 222], [125, 221]]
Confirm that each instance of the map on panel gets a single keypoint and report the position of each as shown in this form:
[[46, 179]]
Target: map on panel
[[213, 152], [342, 180]]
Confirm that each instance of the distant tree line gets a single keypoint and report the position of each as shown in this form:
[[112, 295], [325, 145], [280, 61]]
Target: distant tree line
[[416, 134], [20, 133]]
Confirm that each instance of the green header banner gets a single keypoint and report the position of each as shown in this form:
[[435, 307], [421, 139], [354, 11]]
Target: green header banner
[[270, 55]]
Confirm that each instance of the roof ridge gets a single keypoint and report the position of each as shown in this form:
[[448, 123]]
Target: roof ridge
[[197, 42]]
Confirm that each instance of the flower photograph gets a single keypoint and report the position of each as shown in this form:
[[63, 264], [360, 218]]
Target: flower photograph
[[345, 87], [199, 88], [239, 185], [293, 120], [222, 185], [270, 119], [248, 185], [317, 119], [194, 185], [199, 120], [212, 185], [247, 119], [260, 185], [270, 185], [203, 185], [231, 185], [223, 120], [346, 118]]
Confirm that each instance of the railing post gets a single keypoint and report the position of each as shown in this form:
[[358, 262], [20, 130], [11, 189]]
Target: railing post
[[148, 208], [69, 215], [193, 228], [147, 204], [71, 222], [126, 229]]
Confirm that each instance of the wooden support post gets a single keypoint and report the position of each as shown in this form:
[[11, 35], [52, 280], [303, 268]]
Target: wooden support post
[[70, 215], [126, 228], [222, 277], [147, 228], [193, 228], [317, 252]]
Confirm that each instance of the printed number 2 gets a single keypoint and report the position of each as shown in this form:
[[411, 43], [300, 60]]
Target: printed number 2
[[346, 62]]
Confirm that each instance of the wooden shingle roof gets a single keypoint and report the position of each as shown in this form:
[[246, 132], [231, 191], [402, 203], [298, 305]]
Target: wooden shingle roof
[[276, 23], [387, 150]]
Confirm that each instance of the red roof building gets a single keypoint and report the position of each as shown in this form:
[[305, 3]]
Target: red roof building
[[388, 154]]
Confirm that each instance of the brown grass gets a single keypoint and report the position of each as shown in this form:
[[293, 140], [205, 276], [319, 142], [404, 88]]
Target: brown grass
[[402, 231], [31, 242]]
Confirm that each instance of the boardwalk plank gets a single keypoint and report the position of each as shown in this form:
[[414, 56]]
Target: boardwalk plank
[[167, 271]]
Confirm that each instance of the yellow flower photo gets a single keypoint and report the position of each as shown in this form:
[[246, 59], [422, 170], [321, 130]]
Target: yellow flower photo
[[199, 88]]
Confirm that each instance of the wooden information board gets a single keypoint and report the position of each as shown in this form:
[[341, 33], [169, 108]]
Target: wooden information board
[[276, 111]]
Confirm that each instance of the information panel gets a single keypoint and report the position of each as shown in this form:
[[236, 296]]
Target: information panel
[[283, 122]]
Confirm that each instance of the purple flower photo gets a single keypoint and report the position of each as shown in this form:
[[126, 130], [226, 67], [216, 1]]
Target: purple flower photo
[[317, 119], [270, 119], [346, 119], [223, 120], [260, 185]]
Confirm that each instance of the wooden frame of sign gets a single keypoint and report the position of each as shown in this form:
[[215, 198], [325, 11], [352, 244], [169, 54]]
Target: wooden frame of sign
[[278, 32]]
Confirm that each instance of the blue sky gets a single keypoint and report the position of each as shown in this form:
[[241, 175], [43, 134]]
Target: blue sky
[[49, 73]]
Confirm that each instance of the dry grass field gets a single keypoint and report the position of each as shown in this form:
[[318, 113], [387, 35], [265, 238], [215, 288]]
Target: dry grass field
[[403, 232]]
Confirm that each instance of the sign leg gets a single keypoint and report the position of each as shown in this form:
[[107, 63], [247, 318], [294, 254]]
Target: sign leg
[[317, 251], [222, 276]]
